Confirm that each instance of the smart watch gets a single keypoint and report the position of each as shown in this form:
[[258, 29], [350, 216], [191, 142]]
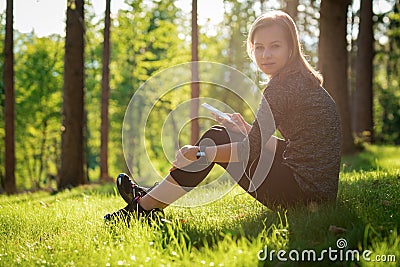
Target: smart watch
[[201, 153]]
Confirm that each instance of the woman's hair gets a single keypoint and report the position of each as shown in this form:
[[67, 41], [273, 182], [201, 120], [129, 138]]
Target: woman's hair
[[282, 19]]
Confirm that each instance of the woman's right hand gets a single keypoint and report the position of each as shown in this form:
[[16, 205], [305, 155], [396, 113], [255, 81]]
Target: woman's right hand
[[238, 125], [185, 156]]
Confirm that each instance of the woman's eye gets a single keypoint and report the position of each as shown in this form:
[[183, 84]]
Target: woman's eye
[[259, 48]]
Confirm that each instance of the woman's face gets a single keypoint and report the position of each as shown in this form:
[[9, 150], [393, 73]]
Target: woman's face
[[271, 49]]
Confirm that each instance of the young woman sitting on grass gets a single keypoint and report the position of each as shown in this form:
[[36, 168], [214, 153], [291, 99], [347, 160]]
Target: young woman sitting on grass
[[305, 166]]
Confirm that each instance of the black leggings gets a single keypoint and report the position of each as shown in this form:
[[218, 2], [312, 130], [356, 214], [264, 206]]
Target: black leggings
[[278, 188]]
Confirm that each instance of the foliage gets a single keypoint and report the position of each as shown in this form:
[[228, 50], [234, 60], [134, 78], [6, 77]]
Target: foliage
[[38, 76], [66, 229], [138, 52], [387, 93]]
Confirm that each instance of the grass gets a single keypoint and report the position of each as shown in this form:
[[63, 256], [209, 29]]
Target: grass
[[66, 229]]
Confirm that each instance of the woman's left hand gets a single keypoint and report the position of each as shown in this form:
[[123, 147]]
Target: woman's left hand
[[238, 124], [185, 156]]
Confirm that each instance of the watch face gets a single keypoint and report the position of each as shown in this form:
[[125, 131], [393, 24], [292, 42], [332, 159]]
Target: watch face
[[200, 154]]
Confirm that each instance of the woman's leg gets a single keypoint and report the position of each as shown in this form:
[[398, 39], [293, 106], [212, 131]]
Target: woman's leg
[[163, 194], [179, 182], [278, 187]]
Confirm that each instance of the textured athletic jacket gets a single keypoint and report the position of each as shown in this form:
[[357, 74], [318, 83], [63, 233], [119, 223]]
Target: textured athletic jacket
[[307, 118]]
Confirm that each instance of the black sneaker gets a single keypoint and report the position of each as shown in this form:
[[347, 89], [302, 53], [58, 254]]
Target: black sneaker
[[134, 209], [119, 215], [128, 189]]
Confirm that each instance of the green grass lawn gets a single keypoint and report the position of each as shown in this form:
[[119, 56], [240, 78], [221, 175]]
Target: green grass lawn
[[67, 229]]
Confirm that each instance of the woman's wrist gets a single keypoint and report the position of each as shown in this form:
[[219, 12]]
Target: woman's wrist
[[248, 127], [210, 153], [205, 152]]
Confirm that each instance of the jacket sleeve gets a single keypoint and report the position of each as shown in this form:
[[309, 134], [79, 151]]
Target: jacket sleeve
[[262, 129]]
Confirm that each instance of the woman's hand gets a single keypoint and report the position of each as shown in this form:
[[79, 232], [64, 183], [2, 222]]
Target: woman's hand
[[238, 125], [185, 156]]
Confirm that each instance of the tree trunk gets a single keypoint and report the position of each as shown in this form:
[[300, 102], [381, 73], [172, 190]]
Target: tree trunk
[[333, 62], [291, 8], [72, 153], [9, 110], [195, 86], [362, 109], [105, 94]]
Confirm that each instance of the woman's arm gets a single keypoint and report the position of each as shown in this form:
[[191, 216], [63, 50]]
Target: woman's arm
[[222, 153]]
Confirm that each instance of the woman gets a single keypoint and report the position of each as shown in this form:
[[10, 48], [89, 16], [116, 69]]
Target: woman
[[306, 164]]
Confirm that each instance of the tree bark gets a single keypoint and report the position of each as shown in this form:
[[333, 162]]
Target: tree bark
[[291, 8], [362, 105], [72, 153], [195, 86], [105, 95], [9, 105], [333, 56]]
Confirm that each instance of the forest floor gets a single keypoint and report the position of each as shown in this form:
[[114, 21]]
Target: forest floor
[[67, 229]]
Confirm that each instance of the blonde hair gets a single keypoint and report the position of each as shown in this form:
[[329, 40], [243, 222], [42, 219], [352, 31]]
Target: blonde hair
[[275, 17]]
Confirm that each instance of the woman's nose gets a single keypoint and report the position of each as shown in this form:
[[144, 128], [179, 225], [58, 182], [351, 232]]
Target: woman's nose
[[266, 53]]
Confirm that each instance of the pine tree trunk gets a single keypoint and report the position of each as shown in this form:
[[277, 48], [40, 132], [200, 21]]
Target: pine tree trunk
[[72, 153], [333, 64], [9, 183], [362, 109], [105, 94], [291, 8], [195, 86]]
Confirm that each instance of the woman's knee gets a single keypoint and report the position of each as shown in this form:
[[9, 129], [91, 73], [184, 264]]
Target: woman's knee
[[216, 135]]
